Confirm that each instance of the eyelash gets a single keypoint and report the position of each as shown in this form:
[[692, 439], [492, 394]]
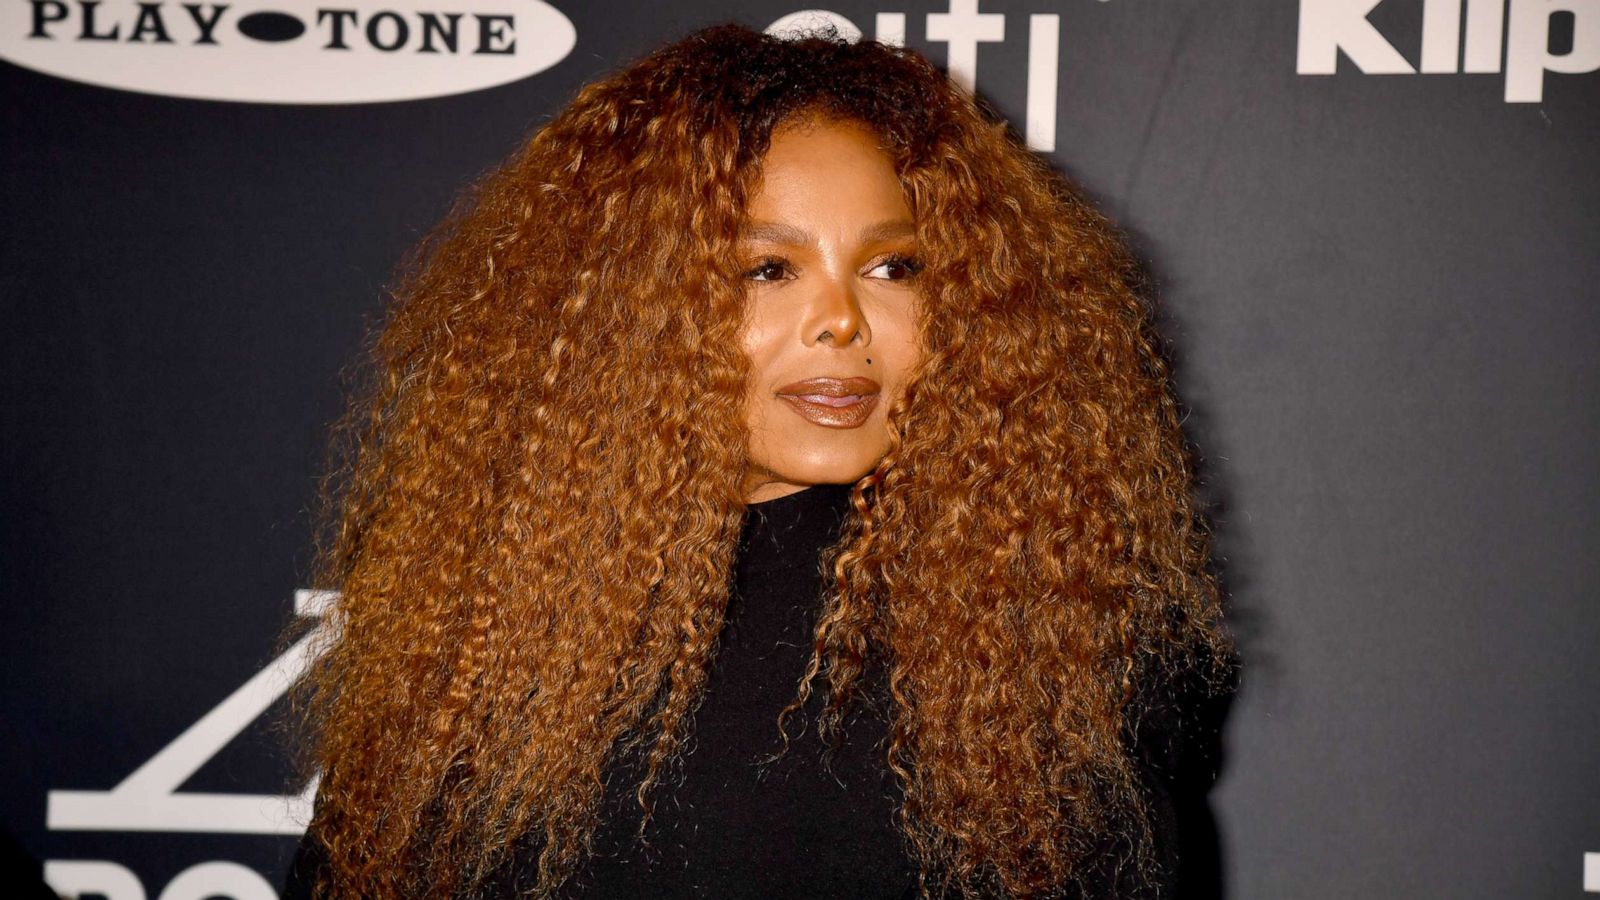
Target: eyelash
[[911, 263], [767, 262]]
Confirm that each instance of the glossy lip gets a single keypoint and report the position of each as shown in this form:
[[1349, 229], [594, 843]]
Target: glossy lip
[[832, 402]]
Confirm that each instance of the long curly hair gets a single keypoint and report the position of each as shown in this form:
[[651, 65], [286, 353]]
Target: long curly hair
[[533, 503]]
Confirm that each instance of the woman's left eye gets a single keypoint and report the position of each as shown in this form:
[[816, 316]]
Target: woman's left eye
[[897, 268]]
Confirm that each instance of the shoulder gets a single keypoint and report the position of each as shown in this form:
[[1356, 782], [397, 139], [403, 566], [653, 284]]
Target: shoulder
[[308, 862], [1176, 745]]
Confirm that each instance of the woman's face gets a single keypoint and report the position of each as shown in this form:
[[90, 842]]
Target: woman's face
[[830, 255]]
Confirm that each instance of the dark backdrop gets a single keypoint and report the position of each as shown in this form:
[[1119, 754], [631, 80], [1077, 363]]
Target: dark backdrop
[[1379, 284]]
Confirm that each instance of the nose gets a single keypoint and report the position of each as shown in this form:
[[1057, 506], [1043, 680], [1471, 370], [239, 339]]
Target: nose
[[836, 317]]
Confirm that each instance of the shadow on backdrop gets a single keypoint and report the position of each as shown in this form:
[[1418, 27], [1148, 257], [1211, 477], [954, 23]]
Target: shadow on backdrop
[[1200, 757]]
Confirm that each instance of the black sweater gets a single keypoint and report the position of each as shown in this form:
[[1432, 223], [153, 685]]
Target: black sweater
[[729, 824]]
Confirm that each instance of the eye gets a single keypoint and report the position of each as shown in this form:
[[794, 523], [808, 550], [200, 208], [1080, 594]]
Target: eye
[[770, 268], [896, 267]]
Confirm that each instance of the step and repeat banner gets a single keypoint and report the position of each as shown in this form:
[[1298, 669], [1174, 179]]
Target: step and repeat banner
[[1373, 231]]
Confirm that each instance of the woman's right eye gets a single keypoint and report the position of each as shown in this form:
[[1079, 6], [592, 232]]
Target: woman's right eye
[[768, 270]]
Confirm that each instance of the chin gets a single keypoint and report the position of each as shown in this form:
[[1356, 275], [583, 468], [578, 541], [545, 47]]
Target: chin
[[829, 474], [829, 468], [806, 454]]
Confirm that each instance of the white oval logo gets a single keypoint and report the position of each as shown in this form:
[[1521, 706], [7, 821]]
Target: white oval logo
[[287, 51]]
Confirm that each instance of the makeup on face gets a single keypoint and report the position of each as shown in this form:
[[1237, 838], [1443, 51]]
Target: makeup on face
[[831, 328], [833, 402]]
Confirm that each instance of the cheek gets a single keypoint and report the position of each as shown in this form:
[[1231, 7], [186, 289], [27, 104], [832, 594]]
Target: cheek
[[759, 357], [761, 361], [901, 348]]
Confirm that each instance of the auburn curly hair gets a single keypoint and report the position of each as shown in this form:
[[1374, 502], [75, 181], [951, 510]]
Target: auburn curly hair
[[533, 503]]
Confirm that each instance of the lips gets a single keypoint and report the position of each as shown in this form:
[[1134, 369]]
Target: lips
[[832, 402]]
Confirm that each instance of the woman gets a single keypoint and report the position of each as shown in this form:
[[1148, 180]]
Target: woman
[[767, 365]]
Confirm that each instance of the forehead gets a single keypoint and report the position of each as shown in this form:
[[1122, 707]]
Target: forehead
[[827, 167]]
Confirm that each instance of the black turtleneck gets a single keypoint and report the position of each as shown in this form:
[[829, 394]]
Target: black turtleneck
[[733, 825]]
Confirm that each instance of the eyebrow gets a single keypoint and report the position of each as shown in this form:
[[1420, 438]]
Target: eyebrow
[[780, 233]]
